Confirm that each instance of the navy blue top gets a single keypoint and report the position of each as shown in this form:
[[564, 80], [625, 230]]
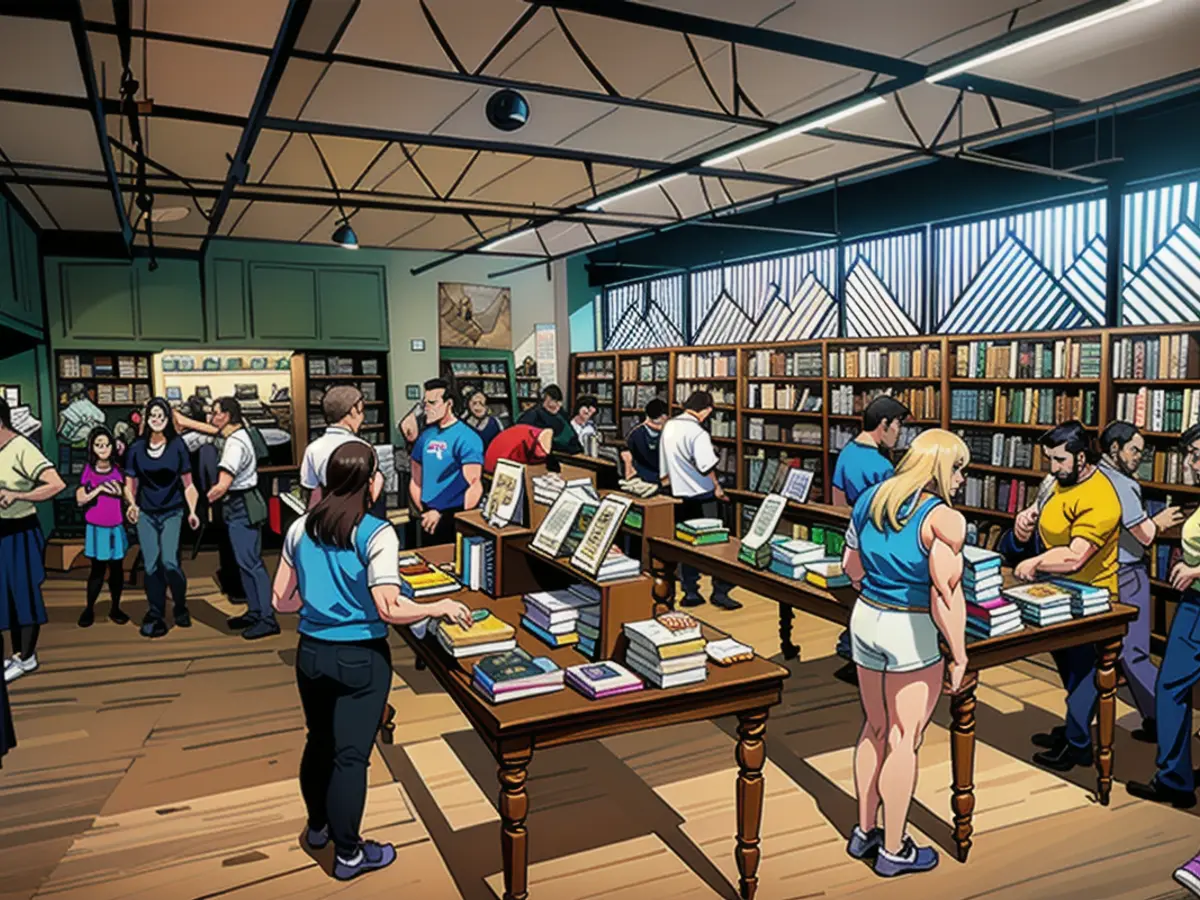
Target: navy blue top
[[490, 429], [160, 481], [643, 447], [895, 563]]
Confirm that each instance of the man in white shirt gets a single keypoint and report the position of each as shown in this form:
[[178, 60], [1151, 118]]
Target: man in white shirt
[[344, 410], [688, 464], [244, 511]]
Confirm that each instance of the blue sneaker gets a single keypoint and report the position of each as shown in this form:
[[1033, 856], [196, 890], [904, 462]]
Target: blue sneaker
[[370, 856], [861, 845], [317, 838], [910, 859]]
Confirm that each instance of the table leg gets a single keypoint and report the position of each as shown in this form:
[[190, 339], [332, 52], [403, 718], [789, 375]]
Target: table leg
[[786, 614], [663, 587], [1106, 714], [514, 807], [962, 762], [751, 754]]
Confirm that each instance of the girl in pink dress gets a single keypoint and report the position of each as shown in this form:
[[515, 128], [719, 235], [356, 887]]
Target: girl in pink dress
[[100, 491]]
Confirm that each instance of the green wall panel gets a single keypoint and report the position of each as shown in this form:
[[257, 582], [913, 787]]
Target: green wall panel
[[97, 301], [228, 300], [170, 307], [20, 286], [284, 300], [353, 305]]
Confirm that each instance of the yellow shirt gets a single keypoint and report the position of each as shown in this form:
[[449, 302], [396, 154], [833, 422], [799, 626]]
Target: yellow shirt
[[21, 464], [1088, 510], [1190, 535]]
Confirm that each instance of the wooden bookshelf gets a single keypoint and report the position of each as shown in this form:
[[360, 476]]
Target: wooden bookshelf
[[367, 371], [596, 373], [529, 385]]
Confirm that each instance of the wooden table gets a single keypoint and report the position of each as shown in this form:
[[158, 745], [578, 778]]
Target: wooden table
[[513, 730], [1105, 631]]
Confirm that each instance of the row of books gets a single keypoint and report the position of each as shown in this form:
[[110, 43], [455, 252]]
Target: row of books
[[807, 433], [1023, 406], [475, 562], [989, 613], [564, 618], [784, 364], [1167, 467], [922, 402], [636, 396], [995, 492], [122, 394], [841, 435], [782, 397], [1161, 358], [419, 580], [1064, 358], [779, 474], [1157, 409], [595, 367], [1163, 558], [646, 369], [715, 364], [723, 394], [722, 425], [924, 361], [321, 366], [995, 448]]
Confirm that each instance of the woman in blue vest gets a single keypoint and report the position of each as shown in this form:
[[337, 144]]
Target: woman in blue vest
[[339, 571], [904, 557]]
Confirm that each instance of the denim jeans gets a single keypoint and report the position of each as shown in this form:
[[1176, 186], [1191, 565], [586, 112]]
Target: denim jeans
[[343, 688], [158, 535], [246, 540], [703, 506], [1173, 695]]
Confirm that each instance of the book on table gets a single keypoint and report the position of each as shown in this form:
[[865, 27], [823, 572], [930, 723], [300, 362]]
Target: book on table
[[664, 656], [592, 552], [515, 674], [505, 501], [789, 558], [1086, 599], [699, 532], [638, 487], [552, 534], [618, 566], [755, 549], [1041, 603], [421, 580], [602, 679], [487, 634], [564, 639], [727, 651], [826, 573]]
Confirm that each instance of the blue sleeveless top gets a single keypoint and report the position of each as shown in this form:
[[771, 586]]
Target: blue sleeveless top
[[895, 563], [338, 605]]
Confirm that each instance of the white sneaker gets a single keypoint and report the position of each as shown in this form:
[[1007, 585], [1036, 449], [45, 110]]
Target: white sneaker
[[15, 667]]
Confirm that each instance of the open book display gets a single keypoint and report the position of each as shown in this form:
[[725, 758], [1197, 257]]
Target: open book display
[[798, 484], [756, 545], [505, 503], [555, 529], [593, 551]]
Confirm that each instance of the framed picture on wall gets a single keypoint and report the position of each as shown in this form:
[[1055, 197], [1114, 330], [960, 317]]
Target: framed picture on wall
[[475, 316]]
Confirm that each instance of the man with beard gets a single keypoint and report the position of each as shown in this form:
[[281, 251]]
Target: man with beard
[[1079, 525]]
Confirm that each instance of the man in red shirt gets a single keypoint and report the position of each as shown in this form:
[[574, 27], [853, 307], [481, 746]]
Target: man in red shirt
[[520, 443]]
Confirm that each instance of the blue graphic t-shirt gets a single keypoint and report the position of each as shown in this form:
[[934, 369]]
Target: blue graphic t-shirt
[[441, 453], [858, 467]]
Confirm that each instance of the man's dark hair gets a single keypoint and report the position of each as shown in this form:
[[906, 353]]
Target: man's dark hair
[[1119, 433], [434, 384], [5, 414], [699, 401], [193, 408], [1073, 435], [656, 409], [554, 392], [883, 409], [584, 400], [231, 407], [1186, 439]]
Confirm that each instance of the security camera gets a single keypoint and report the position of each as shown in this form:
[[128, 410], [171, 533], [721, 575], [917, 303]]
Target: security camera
[[507, 110]]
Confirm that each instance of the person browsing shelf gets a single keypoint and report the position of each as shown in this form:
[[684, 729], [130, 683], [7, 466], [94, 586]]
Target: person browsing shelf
[[344, 410], [447, 466], [26, 477], [101, 493], [520, 443], [640, 456], [1079, 524], [244, 512], [688, 464], [479, 418], [904, 557], [340, 571], [1174, 781]]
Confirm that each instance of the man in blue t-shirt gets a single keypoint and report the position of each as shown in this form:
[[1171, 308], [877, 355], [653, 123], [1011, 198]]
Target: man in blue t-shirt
[[861, 463], [640, 456], [447, 466]]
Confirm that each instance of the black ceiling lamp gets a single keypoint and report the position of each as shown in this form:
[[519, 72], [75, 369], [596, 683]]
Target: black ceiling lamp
[[507, 110], [343, 235]]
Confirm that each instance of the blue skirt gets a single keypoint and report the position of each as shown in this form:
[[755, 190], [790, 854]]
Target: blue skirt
[[105, 543], [22, 571]]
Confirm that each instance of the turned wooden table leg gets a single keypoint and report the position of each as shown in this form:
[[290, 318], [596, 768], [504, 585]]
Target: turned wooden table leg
[[751, 755], [663, 587], [786, 614], [1106, 714], [962, 762], [514, 807]]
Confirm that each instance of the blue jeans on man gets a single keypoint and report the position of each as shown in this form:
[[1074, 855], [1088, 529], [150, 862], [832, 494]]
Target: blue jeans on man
[[158, 536], [246, 539], [1173, 696], [702, 506]]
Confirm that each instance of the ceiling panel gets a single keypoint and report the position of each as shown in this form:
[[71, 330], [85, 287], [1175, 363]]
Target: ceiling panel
[[81, 209], [542, 53], [349, 158], [296, 86], [191, 149], [357, 95], [377, 227], [49, 136], [296, 164], [440, 231], [200, 78], [563, 237], [227, 20], [394, 174], [508, 179], [650, 135], [395, 31], [473, 28], [39, 55], [787, 86], [278, 221], [28, 200], [832, 159], [552, 119], [192, 223]]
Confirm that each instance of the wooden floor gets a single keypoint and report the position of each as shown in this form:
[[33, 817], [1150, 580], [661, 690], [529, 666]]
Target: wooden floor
[[167, 769]]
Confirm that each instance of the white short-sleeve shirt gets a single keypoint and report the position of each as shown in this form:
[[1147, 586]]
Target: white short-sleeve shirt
[[316, 456], [239, 460], [383, 552], [686, 456]]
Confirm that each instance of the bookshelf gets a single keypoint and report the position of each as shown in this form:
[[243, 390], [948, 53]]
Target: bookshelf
[[491, 375], [596, 373], [367, 372], [529, 385], [643, 378], [783, 416]]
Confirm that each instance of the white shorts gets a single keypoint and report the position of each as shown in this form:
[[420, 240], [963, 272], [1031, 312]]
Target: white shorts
[[888, 640]]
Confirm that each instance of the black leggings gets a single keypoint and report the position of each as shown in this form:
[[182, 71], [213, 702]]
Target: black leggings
[[24, 640], [95, 581]]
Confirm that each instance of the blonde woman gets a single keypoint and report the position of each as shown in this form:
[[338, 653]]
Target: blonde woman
[[904, 556]]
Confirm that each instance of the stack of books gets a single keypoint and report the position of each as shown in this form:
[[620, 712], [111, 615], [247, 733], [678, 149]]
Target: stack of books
[[702, 531], [664, 657], [419, 580], [603, 679], [789, 558], [637, 487], [1042, 603], [475, 562], [551, 616], [826, 573], [617, 565], [588, 624], [515, 674], [1086, 600], [486, 635], [988, 613], [546, 488]]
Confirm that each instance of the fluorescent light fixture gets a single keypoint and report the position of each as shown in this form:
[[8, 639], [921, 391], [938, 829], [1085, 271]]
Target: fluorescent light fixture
[[822, 122], [597, 205], [511, 236], [1035, 40]]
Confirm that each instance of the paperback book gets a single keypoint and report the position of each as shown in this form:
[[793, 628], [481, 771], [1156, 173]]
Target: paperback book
[[486, 635], [603, 679], [506, 500], [756, 545], [515, 674]]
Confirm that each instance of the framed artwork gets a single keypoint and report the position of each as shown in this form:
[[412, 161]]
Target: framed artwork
[[472, 315]]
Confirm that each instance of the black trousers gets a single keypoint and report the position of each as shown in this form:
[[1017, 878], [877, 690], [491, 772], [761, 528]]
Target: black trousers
[[443, 534], [344, 689]]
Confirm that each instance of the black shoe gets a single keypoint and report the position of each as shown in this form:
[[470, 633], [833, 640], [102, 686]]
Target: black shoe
[[118, 617], [154, 628], [1052, 740], [1064, 758], [1148, 733], [243, 621], [692, 601], [1159, 793], [87, 617], [725, 603], [261, 629], [183, 619]]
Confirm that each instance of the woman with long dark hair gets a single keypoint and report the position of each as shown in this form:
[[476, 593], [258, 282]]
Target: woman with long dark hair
[[340, 572], [100, 491], [158, 487]]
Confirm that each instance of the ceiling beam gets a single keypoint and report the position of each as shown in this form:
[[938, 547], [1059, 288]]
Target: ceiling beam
[[285, 43], [83, 54], [1014, 93]]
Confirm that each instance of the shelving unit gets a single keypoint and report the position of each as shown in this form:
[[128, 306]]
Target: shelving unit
[[643, 377], [596, 373], [529, 385], [492, 376], [366, 371]]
